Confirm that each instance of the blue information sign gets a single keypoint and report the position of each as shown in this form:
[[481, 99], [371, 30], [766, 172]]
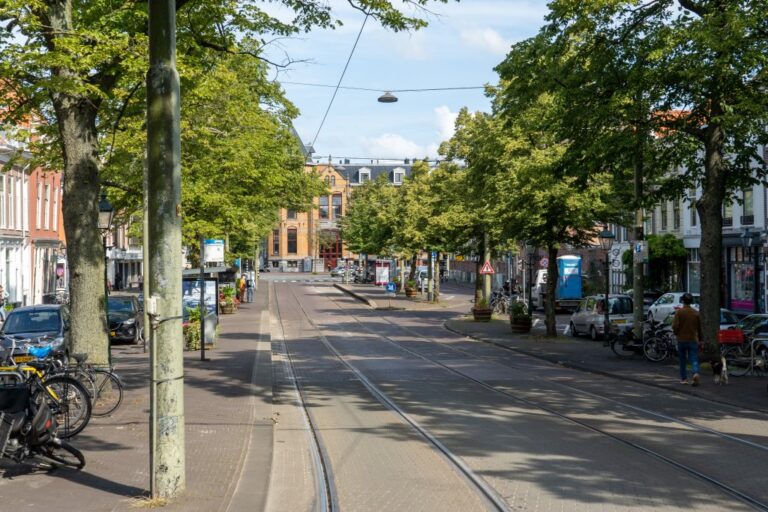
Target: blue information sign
[[391, 288]]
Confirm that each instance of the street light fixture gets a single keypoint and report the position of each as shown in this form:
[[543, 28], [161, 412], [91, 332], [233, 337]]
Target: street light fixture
[[387, 97], [606, 240]]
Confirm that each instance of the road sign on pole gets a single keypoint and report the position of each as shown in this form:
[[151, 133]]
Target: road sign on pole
[[487, 269]]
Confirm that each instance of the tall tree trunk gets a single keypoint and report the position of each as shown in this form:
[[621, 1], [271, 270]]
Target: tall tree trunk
[[80, 207], [549, 304], [710, 208], [436, 290]]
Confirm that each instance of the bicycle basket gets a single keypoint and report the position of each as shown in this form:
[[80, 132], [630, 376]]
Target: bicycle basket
[[730, 337]]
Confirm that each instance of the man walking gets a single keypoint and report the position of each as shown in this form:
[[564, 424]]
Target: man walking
[[687, 328], [249, 285]]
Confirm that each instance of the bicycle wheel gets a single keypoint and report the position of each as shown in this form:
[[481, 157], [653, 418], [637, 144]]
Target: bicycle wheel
[[64, 454], [70, 403], [109, 392], [655, 349], [737, 359], [621, 349]]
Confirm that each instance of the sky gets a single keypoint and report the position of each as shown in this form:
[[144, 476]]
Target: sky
[[460, 47]]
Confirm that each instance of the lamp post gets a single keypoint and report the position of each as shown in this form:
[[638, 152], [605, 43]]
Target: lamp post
[[106, 213], [606, 240]]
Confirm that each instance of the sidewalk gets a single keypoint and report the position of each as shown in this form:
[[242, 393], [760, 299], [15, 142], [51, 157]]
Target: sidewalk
[[579, 353], [228, 407]]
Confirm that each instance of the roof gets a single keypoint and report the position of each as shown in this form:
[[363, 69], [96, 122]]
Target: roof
[[352, 171]]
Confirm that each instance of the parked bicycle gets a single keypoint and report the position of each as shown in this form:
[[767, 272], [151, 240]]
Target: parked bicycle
[[658, 341], [28, 427], [745, 357]]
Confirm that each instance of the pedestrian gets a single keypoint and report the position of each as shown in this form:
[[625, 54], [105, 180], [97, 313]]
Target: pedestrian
[[241, 288], [118, 281], [687, 328], [249, 285]]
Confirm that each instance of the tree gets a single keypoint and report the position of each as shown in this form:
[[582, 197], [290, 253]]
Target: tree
[[704, 80], [78, 64], [368, 226]]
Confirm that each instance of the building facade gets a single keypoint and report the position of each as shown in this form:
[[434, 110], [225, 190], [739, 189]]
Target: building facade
[[47, 269]]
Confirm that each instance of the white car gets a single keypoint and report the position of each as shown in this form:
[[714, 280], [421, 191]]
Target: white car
[[589, 318], [668, 304]]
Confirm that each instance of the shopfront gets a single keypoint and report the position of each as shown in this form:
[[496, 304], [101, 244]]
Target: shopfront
[[744, 275]]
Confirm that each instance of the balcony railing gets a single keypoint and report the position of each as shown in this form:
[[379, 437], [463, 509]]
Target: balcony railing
[[747, 220], [727, 221]]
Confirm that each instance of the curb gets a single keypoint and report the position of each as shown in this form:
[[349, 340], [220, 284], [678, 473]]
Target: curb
[[356, 295], [603, 373]]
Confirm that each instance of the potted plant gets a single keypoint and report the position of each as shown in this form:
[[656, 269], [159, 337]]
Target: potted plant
[[410, 288], [519, 319], [192, 329], [482, 311], [227, 300]]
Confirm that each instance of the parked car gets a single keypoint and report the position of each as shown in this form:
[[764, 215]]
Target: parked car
[[669, 303], [338, 271], [124, 318], [649, 297], [589, 317], [728, 319], [47, 324], [752, 325]]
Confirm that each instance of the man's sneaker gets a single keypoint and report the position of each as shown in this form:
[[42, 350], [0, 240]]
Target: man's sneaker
[[695, 379], [684, 382]]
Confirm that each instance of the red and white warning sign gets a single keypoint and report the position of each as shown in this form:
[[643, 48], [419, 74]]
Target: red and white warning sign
[[487, 268]]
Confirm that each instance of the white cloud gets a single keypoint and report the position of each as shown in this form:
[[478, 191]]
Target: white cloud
[[486, 39], [393, 146], [446, 122]]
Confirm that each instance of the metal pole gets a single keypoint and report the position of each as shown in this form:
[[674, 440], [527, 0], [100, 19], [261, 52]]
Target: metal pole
[[607, 320], [430, 276], [203, 309], [106, 296], [486, 258], [163, 195]]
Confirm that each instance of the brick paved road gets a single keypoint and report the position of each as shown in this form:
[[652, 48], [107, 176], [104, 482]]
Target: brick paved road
[[535, 459]]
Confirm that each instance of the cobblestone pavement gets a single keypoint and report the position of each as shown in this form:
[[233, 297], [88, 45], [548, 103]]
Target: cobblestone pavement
[[227, 409]]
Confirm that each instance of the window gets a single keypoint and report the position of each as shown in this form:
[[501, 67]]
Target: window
[[2, 200], [663, 211], [728, 212], [47, 209], [676, 214], [692, 199], [398, 178], [292, 245], [364, 175], [38, 211], [323, 207], [11, 203], [276, 241], [748, 216], [291, 215], [336, 206], [333, 180], [56, 209]]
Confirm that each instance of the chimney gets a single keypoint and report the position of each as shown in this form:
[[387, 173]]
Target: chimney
[[406, 161]]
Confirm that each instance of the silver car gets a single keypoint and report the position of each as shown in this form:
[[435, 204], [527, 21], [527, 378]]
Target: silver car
[[589, 318]]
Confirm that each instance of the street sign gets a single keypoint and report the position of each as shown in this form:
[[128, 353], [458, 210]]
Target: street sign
[[544, 262], [487, 269], [640, 253], [214, 251], [434, 256], [391, 289]]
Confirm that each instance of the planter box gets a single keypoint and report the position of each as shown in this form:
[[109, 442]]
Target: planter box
[[482, 314], [411, 292], [227, 309], [520, 325]]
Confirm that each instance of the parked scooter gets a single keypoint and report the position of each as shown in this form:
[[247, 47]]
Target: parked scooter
[[28, 429]]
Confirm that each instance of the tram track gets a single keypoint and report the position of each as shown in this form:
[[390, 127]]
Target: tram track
[[488, 494], [752, 501]]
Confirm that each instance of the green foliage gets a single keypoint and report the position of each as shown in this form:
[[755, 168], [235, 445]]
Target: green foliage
[[481, 303], [518, 311]]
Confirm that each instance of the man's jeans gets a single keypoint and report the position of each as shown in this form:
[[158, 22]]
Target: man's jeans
[[249, 293], [688, 350]]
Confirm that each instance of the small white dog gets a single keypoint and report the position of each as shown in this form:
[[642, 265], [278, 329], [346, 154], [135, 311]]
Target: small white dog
[[721, 371]]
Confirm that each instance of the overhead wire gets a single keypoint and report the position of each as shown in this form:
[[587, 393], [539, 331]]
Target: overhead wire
[[338, 85], [348, 87]]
